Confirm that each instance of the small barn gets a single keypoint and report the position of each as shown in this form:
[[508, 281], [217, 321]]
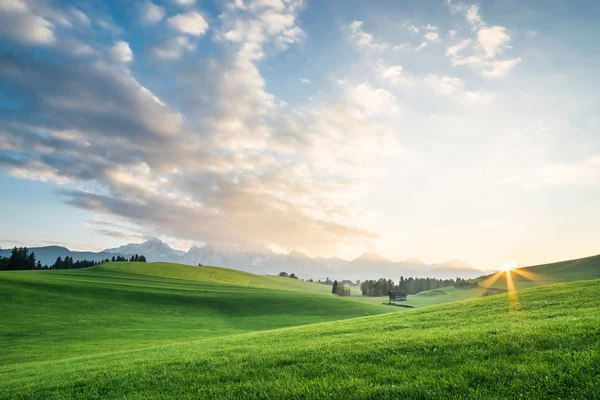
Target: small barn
[[397, 295]]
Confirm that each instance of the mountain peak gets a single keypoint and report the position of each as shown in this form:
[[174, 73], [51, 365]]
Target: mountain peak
[[370, 256]]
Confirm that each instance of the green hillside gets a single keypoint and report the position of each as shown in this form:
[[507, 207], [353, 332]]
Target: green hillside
[[542, 343], [51, 315], [522, 278], [547, 274]]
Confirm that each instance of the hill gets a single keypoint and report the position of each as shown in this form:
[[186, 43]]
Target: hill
[[587, 268], [546, 274], [58, 314], [542, 343]]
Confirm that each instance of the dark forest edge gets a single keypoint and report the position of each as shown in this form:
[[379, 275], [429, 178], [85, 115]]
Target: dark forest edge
[[21, 259]]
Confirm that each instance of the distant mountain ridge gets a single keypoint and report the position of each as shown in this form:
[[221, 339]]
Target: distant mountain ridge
[[260, 260]]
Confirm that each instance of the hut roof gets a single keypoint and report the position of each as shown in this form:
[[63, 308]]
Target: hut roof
[[396, 292]]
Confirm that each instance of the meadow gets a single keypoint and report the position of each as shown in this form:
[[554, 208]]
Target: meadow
[[164, 331], [50, 315]]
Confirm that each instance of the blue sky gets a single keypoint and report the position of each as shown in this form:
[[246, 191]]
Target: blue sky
[[438, 129]]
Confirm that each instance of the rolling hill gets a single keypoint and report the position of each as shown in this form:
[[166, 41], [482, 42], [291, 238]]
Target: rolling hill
[[540, 343], [58, 314], [587, 268]]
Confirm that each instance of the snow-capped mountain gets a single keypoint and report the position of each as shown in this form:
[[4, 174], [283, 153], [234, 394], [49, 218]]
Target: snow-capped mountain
[[153, 249], [260, 260]]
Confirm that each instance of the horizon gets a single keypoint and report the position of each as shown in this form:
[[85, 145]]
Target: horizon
[[442, 130]]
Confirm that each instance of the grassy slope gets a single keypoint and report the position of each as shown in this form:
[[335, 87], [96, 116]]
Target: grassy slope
[[547, 274], [49, 315], [545, 343]]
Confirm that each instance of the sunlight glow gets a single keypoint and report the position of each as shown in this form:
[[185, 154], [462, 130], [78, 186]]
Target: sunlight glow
[[509, 266]]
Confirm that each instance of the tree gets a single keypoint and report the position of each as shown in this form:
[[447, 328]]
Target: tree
[[283, 274], [58, 263], [293, 276], [39, 265], [142, 258], [335, 286], [113, 259]]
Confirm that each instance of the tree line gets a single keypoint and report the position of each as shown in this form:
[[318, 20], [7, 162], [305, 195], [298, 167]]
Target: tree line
[[340, 289], [22, 259], [410, 285], [286, 275]]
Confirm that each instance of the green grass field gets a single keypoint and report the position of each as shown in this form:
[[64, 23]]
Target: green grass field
[[50, 315], [167, 331]]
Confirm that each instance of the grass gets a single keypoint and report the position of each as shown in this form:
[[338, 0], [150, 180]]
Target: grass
[[53, 315], [539, 343], [547, 274]]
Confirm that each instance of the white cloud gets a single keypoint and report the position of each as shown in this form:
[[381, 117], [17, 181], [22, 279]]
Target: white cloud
[[393, 74], [173, 49], [432, 36], [373, 101], [121, 52], [191, 23], [493, 40], [414, 29], [473, 16], [453, 87], [454, 51], [498, 69], [304, 80], [444, 85], [421, 46], [364, 39], [431, 27], [151, 12], [451, 33]]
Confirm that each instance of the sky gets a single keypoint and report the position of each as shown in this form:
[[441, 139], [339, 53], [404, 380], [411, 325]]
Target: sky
[[438, 129]]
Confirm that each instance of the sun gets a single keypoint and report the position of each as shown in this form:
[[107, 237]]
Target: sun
[[508, 266]]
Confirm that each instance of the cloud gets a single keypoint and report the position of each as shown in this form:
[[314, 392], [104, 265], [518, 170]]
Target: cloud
[[493, 40], [473, 16], [432, 36], [151, 13], [172, 49], [364, 39], [431, 27], [191, 23], [414, 29], [121, 52], [498, 69], [421, 46], [453, 88], [304, 80], [19, 22], [393, 75], [214, 167], [373, 101], [481, 52]]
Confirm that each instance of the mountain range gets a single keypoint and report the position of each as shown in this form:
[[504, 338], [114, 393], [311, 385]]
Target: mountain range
[[260, 260]]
